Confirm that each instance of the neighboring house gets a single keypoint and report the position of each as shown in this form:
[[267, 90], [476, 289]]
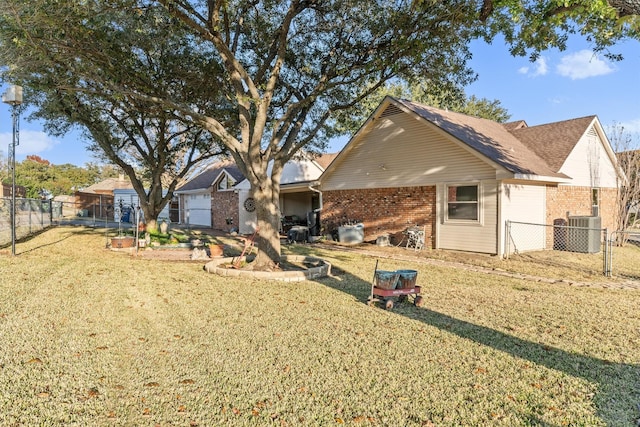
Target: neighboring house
[[219, 197], [209, 200], [97, 199], [463, 178], [6, 188], [126, 206]]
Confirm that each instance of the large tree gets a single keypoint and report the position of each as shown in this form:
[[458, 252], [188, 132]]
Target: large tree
[[104, 82], [283, 69]]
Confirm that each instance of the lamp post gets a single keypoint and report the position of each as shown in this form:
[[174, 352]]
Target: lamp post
[[13, 97]]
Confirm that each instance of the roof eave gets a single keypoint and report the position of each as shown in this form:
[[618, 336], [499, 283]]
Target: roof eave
[[542, 178], [194, 190]]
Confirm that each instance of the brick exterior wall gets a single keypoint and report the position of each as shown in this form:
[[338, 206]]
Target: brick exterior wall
[[577, 201], [224, 204], [381, 210]]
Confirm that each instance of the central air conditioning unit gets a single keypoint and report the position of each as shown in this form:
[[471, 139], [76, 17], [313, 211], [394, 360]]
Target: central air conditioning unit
[[584, 234]]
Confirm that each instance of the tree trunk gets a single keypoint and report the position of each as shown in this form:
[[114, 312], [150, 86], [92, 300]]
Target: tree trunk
[[266, 195]]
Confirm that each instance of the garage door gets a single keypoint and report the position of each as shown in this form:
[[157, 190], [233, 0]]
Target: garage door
[[198, 209]]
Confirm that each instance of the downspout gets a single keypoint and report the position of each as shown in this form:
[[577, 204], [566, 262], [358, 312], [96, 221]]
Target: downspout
[[315, 190]]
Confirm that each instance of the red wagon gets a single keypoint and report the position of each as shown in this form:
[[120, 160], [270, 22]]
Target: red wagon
[[388, 285]]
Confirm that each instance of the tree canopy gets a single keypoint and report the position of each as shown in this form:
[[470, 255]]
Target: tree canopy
[[268, 78], [40, 177], [532, 26]]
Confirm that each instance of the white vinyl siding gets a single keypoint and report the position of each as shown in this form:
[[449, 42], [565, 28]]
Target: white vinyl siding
[[600, 172], [472, 236], [401, 151], [526, 204]]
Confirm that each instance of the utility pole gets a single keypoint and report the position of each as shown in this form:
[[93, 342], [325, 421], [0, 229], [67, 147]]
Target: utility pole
[[13, 97]]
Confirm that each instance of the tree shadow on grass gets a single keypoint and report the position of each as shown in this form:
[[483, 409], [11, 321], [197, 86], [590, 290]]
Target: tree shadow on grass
[[35, 234], [617, 397]]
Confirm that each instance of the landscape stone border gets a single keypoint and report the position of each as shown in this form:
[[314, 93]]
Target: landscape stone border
[[322, 270]]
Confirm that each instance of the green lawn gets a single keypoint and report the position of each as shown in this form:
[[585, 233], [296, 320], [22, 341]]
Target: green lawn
[[94, 337]]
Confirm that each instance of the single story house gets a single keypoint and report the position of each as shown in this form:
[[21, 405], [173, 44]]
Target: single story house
[[127, 199], [219, 197], [462, 178], [97, 199], [208, 199], [7, 188]]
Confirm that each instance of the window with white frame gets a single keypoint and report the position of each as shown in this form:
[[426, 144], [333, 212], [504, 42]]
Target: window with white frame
[[462, 203]]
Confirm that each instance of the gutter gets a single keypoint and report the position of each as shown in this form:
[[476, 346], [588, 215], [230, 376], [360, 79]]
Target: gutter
[[315, 190]]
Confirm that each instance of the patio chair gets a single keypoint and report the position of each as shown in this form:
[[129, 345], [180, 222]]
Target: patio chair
[[415, 237]]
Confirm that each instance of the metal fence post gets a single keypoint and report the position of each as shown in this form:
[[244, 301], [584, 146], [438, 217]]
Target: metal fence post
[[507, 236], [605, 255]]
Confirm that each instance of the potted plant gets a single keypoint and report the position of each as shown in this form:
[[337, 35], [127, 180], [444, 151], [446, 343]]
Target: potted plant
[[216, 248]]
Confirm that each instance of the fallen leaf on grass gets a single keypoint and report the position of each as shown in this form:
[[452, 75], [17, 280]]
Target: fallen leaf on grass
[[35, 360], [102, 347], [187, 381], [152, 384], [182, 408], [146, 411], [43, 394]]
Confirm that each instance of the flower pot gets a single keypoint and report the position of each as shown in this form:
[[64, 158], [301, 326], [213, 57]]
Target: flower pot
[[121, 242], [216, 250]]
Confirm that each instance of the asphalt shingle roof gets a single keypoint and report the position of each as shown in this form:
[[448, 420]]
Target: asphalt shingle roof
[[206, 178], [491, 139], [553, 142]]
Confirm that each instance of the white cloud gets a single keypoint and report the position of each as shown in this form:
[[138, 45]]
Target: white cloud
[[31, 142], [538, 68], [583, 64], [557, 100], [632, 126]]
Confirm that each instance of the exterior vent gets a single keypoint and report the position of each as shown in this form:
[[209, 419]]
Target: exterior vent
[[391, 110], [584, 234]]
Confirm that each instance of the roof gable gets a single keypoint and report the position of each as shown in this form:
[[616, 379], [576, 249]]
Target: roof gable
[[108, 185], [553, 142], [490, 139], [209, 176]]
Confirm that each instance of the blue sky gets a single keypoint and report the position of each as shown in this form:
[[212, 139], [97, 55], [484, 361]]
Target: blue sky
[[559, 86]]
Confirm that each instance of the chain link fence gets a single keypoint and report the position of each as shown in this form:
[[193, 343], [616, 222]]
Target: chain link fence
[[581, 245], [32, 215], [623, 254]]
